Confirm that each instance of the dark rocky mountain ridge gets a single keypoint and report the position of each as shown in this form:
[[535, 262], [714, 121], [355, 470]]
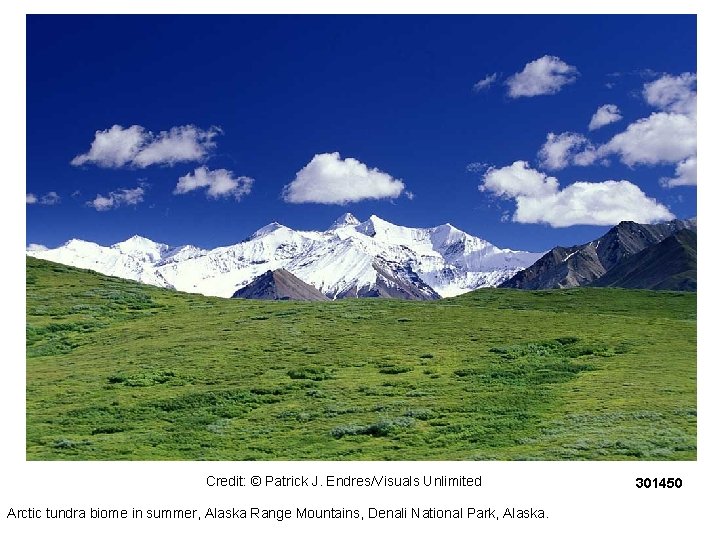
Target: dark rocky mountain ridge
[[580, 265], [668, 265]]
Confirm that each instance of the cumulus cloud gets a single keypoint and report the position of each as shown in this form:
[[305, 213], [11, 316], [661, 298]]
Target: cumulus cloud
[[666, 137], [661, 138], [36, 247], [673, 94], [185, 143], [565, 149], [519, 180], [685, 174], [606, 114], [216, 183], [49, 199], [539, 199], [329, 179], [136, 147], [117, 198], [113, 147], [546, 75], [487, 82]]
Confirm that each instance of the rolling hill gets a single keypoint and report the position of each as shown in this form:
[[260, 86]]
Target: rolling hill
[[118, 370]]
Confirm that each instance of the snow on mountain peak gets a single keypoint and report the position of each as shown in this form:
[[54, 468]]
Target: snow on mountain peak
[[373, 225], [346, 260], [268, 229], [345, 220], [76, 244], [446, 235], [137, 242], [378, 220], [384, 231], [183, 253], [143, 247]]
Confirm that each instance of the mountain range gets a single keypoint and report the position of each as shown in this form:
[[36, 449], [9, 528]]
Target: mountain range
[[630, 255], [349, 259], [671, 264]]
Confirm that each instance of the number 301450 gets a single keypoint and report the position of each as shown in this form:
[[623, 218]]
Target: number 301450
[[658, 482]]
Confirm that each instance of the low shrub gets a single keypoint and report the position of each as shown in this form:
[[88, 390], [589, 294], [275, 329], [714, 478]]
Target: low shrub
[[382, 428]]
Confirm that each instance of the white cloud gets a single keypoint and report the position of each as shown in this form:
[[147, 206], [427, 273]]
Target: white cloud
[[114, 147], [329, 179], [565, 149], [539, 199], [546, 75], [518, 180], [487, 82], [685, 174], [660, 138], [136, 147], [673, 94], [119, 197], [185, 143], [36, 247], [666, 137], [476, 167], [49, 199], [606, 114], [219, 183], [101, 203]]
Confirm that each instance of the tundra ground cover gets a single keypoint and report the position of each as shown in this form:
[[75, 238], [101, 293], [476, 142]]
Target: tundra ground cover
[[121, 371]]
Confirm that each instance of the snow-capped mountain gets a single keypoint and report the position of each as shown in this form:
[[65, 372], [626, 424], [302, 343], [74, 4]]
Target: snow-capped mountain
[[351, 258]]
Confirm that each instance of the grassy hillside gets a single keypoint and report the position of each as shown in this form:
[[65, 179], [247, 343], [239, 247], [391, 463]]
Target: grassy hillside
[[118, 370]]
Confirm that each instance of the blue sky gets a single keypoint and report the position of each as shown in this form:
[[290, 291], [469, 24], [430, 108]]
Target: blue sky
[[219, 119]]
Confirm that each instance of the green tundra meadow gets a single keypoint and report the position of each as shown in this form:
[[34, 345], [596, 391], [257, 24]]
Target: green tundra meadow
[[117, 370]]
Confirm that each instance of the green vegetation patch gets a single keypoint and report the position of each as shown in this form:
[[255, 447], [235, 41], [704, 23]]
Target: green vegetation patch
[[563, 347], [121, 371], [311, 373], [382, 428], [146, 378]]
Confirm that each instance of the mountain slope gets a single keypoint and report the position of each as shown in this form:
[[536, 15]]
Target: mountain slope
[[279, 285], [564, 267], [350, 259], [670, 264], [389, 284]]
